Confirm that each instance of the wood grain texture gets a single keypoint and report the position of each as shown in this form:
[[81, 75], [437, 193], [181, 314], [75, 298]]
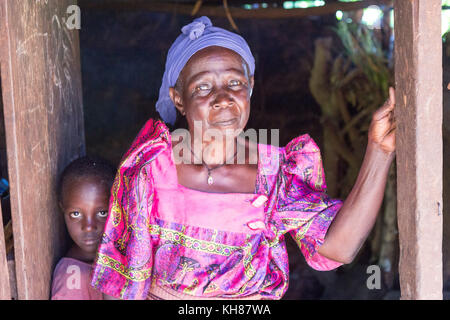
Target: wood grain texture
[[418, 66], [41, 85]]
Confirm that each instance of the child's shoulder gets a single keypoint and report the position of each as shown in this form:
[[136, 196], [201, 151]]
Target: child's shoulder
[[67, 264], [71, 279]]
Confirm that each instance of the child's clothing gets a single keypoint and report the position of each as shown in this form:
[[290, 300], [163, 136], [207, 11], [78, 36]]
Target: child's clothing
[[71, 281], [160, 234]]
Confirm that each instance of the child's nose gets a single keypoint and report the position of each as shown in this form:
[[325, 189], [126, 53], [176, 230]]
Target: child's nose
[[89, 224]]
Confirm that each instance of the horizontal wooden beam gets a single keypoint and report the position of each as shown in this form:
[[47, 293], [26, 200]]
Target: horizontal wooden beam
[[236, 13]]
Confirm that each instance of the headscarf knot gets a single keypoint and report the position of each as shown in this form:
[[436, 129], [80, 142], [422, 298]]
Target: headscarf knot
[[195, 29]]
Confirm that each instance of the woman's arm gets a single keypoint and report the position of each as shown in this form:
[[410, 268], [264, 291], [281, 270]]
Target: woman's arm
[[355, 219]]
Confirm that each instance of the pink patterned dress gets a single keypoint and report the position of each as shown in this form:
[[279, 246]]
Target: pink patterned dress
[[160, 234]]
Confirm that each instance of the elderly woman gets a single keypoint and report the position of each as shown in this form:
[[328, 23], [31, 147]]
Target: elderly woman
[[192, 218]]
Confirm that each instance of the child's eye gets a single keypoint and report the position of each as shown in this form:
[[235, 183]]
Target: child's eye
[[103, 214], [75, 214]]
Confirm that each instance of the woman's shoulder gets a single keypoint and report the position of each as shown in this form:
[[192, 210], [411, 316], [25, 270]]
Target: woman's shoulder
[[153, 138], [303, 160], [300, 158], [292, 153], [300, 145]]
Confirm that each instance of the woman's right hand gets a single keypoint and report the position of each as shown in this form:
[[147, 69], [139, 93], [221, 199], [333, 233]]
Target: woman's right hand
[[383, 125]]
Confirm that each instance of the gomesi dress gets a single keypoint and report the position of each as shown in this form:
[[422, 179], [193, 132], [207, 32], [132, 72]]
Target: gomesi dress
[[163, 240]]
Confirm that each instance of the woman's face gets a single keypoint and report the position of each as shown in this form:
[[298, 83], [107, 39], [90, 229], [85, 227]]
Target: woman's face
[[85, 205], [214, 88]]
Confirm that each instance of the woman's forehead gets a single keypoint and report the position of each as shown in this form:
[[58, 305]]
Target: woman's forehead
[[217, 50], [213, 59]]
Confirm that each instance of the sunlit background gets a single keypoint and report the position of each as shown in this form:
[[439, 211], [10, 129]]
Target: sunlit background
[[372, 16]]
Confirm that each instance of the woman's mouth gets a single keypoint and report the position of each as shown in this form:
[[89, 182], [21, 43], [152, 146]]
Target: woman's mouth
[[225, 122]]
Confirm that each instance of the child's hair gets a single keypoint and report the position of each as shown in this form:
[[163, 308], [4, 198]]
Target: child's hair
[[87, 166]]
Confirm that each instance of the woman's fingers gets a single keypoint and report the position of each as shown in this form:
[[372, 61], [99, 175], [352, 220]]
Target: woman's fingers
[[383, 127], [387, 107], [392, 95]]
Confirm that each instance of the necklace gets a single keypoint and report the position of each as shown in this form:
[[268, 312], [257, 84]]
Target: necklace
[[210, 179]]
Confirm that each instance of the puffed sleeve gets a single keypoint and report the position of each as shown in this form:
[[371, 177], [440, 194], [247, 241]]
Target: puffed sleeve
[[123, 266], [303, 208]]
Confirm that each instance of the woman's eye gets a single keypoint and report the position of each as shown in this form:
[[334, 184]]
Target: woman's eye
[[75, 214], [202, 90], [103, 214], [202, 87], [236, 84]]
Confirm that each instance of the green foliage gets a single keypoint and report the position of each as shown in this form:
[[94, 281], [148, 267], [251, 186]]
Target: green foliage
[[363, 49], [350, 80]]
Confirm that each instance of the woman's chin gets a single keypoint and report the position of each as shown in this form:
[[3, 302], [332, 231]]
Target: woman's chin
[[228, 128]]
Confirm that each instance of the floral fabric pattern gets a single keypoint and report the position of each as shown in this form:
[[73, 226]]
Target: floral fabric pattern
[[208, 244]]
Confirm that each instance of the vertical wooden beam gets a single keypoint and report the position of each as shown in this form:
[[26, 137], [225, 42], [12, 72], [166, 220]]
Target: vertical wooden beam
[[418, 78], [41, 86]]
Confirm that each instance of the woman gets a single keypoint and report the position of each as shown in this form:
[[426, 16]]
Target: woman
[[194, 218]]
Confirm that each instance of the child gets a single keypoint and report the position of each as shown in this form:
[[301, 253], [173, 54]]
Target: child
[[83, 197]]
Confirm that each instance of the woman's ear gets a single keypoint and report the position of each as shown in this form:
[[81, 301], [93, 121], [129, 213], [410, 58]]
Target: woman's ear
[[177, 100], [252, 82]]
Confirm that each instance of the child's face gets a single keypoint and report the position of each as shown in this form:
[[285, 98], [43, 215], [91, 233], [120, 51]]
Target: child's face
[[85, 206]]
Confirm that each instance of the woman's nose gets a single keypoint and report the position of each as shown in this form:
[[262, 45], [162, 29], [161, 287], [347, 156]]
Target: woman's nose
[[222, 99]]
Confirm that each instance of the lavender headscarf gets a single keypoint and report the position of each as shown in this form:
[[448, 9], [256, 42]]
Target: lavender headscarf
[[195, 36]]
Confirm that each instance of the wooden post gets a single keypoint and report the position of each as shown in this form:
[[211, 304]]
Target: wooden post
[[418, 78], [41, 87]]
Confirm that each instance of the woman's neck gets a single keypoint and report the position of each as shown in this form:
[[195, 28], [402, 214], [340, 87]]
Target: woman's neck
[[214, 152], [238, 150]]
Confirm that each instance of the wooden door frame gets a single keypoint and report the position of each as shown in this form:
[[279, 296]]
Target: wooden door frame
[[43, 112]]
